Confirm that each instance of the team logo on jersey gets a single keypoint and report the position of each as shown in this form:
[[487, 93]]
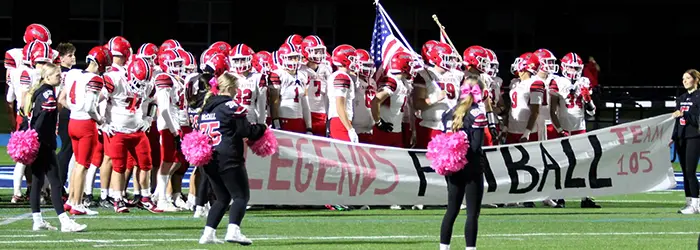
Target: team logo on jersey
[[47, 93]]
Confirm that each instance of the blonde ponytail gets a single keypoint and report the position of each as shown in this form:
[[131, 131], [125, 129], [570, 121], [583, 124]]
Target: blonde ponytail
[[461, 110], [45, 72], [223, 82]]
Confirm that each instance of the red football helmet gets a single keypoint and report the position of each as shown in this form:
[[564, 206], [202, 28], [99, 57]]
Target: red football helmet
[[529, 64], [148, 50], [344, 56], [140, 70], [221, 47], [294, 39], [514, 66], [572, 66], [170, 61], [313, 49], [218, 64], [263, 62], [547, 60], [289, 56], [205, 56], [241, 57], [38, 52], [119, 46], [402, 62], [476, 56], [427, 46], [493, 59], [169, 44], [37, 31], [443, 56], [364, 63], [188, 62], [101, 56]]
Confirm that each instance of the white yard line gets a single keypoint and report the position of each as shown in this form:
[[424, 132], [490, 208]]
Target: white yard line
[[125, 245], [15, 219], [324, 238]]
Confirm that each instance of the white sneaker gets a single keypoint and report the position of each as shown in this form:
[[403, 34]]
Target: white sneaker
[[167, 206], [43, 225], [549, 203], [190, 204], [688, 210], [463, 206], [72, 226], [87, 211], [395, 207], [417, 207], [444, 247], [181, 204], [209, 238], [234, 235], [200, 212]]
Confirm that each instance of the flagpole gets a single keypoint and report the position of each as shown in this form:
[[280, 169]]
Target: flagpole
[[386, 16], [442, 29]]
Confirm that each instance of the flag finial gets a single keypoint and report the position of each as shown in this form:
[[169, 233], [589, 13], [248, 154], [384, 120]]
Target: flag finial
[[376, 2]]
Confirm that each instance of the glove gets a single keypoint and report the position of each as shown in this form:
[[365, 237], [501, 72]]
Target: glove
[[494, 135], [276, 123], [146, 125], [353, 136], [586, 94], [107, 129], [385, 126]]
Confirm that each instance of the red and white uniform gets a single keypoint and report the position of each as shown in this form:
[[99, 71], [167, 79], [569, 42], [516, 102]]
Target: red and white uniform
[[362, 120], [530, 91], [125, 110], [544, 120], [572, 111], [84, 89], [167, 98], [252, 94], [318, 99], [431, 123], [340, 85], [293, 110], [392, 109]]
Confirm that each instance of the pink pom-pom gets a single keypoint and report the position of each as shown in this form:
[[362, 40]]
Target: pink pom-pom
[[266, 145], [23, 146], [196, 148], [448, 152]]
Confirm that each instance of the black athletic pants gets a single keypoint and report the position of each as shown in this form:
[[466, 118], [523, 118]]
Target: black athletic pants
[[203, 188], [689, 155], [45, 165], [467, 183], [66, 145], [231, 183]]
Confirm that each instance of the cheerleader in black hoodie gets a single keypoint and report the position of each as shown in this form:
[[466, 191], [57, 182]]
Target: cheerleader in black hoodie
[[40, 104], [468, 182], [226, 124]]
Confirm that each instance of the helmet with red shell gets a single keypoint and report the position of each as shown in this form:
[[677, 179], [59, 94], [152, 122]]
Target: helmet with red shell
[[205, 56], [169, 44], [170, 61], [295, 39], [37, 31], [290, 56], [443, 56], [263, 62], [493, 59], [189, 64], [572, 66], [514, 65], [364, 63], [344, 56], [140, 70], [148, 50], [241, 57], [119, 46], [402, 62], [101, 56], [218, 64], [548, 61], [221, 47], [38, 52], [530, 64], [313, 49], [427, 46], [476, 57]]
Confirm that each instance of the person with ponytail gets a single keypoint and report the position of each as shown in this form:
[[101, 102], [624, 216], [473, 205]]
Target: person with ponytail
[[686, 137], [469, 181], [225, 123], [41, 106]]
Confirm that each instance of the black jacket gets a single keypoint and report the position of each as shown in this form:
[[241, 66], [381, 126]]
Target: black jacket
[[44, 116], [226, 124], [687, 126], [474, 123]]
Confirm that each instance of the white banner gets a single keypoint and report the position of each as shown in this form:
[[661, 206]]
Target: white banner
[[309, 170]]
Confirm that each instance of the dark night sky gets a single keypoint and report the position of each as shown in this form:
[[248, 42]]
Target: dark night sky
[[629, 41]]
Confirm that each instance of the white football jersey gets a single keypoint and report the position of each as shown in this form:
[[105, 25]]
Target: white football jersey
[[571, 112], [291, 90], [251, 95], [21, 79], [450, 82], [493, 90], [167, 97], [392, 109], [125, 100], [83, 92], [14, 58], [362, 120], [317, 86], [340, 84], [544, 117], [183, 117], [526, 92]]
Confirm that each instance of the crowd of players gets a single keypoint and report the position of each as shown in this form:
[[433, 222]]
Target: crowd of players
[[126, 112]]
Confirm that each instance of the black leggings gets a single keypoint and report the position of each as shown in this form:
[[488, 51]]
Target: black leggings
[[228, 184], [203, 188], [689, 155], [66, 146], [45, 165], [466, 183]]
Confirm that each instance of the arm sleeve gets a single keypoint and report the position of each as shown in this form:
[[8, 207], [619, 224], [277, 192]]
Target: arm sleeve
[[243, 128], [691, 116], [261, 101], [306, 112], [94, 87], [10, 97], [537, 92], [675, 125], [341, 86], [387, 84]]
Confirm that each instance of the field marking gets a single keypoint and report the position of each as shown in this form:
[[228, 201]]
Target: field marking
[[324, 238], [124, 245], [23, 236], [15, 219]]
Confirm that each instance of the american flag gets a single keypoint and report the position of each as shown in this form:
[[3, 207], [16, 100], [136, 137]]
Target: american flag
[[384, 44]]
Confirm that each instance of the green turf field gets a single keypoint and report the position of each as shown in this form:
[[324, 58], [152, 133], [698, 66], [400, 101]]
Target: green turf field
[[642, 221]]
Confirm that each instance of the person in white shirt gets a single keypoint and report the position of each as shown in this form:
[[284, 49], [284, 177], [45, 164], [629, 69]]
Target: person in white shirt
[[289, 107], [365, 90], [391, 99], [341, 94], [314, 51]]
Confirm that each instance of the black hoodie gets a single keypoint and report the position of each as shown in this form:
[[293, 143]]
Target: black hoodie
[[226, 124], [44, 116]]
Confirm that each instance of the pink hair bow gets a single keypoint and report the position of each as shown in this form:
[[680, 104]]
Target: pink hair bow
[[474, 91], [214, 86]]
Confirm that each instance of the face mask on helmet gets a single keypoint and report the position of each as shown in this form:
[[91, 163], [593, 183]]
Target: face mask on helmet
[[291, 61], [449, 61], [572, 71], [366, 68], [241, 64], [317, 54], [175, 67]]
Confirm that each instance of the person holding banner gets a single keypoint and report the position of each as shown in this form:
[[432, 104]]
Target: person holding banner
[[686, 136], [341, 91], [466, 117]]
